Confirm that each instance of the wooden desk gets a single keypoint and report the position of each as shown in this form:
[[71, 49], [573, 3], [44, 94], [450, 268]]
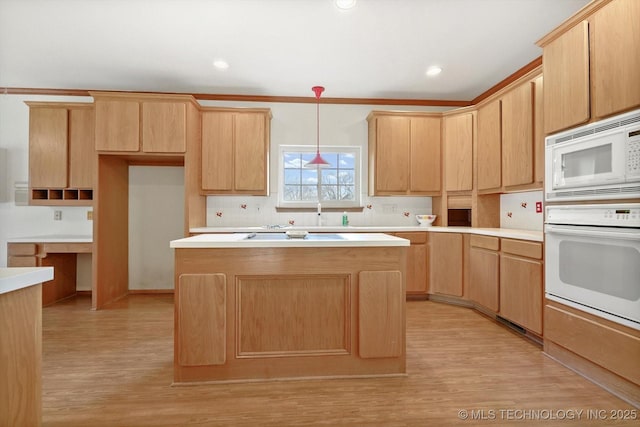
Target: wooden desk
[[62, 256]]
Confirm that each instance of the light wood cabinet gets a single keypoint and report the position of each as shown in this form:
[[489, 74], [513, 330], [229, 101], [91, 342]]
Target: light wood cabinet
[[565, 65], [404, 153], [591, 64], [484, 268], [446, 264], [458, 152], [61, 154], [235, 151], [517, 136], [142, 123], [489, 146], [615, 62], [521, 283], [417, 262]]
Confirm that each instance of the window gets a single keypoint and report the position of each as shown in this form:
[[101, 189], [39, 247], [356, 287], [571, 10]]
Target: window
[[335, 186]]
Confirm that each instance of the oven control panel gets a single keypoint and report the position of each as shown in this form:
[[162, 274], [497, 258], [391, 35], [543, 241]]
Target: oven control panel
[[619, 215]]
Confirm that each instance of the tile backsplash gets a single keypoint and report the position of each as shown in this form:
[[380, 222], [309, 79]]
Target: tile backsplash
[[518, 210], [232, 211]]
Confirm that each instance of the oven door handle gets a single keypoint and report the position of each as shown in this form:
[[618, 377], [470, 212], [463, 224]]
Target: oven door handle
[[591, 232]]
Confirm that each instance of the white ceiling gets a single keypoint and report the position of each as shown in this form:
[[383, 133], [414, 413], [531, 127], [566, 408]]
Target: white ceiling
[[379, 49]]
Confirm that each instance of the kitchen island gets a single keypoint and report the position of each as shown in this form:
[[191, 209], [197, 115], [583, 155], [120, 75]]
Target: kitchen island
[[259, 307]]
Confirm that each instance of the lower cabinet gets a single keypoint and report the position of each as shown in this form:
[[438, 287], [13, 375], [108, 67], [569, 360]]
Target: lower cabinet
[[521, 286], [484, 271], [417, 263], [446, 264]]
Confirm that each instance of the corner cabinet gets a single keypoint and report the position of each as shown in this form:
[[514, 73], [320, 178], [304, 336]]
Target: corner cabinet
[[61, 153], [235, 151], [446, 263], [510, 143], [417, 262], [581, 84], [404, 153], [143, 123]]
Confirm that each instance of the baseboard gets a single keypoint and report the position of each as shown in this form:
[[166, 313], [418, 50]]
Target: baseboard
[[150, 291], [614, 384], [451, 300]]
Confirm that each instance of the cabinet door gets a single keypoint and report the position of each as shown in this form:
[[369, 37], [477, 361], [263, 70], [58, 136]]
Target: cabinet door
[[489, 146], [392, 154], [483, 276], [446, 263], [164, 127], [521, 291], [538, 131], [217, 151], [458, 152], [425, 154], [250, 152], [517, 136], [48, 147], [565, 67], [417, 258], [81, 148], [117, 125], [615, 42]]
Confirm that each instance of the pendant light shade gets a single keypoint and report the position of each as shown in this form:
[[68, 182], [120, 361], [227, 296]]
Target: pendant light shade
[[317, 161]]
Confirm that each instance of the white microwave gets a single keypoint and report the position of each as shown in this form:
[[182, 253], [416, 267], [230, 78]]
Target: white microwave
[[600, 160]]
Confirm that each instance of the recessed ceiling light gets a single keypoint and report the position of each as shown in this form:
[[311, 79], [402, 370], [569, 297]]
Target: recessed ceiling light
[[433, 71], [345, 4], [221, 64]]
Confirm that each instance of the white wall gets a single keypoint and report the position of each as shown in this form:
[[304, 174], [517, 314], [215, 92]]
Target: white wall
[[156, 216]]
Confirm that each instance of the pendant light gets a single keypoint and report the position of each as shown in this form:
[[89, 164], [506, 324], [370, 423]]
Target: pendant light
[[317, 161]]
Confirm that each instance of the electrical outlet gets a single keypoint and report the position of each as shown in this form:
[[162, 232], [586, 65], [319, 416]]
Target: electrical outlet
[[538, 207], [89, 215], [57, 215]]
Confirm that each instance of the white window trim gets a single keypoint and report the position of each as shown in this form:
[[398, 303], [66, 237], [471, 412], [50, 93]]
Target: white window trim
[[325, 203]]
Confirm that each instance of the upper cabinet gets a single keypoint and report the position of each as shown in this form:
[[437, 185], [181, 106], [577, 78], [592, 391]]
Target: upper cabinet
[[510, 142], [404, 153], [458, 151], [590, 65], [235, 151], [142, 123], [61, 154]]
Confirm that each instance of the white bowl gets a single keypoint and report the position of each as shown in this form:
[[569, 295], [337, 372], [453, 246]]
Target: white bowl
[[426, 220]]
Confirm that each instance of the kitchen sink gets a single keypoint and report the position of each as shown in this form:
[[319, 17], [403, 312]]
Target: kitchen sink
[[283, 236]]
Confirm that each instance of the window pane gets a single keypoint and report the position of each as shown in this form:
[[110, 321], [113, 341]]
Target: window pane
[[347, 192], [306, 157], [332, 158], [291, 193], [347, 177], [347, 161], [309, 176], [292, 176], [292, 160], [329, 192], [329, 176], [309, 192]]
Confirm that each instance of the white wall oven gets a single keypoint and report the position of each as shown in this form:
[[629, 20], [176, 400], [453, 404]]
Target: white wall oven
[[592, 259], [597, 161]]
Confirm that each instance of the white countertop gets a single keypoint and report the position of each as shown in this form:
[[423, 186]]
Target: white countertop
[[511, 233], [241, 240], [14, 278], [53, 238]]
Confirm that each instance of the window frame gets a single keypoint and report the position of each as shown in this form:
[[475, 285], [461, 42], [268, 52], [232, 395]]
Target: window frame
[[311, 149]]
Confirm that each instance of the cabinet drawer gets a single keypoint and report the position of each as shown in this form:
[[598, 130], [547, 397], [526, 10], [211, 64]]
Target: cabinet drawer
[[21, 249], [414, 238], [522, 248], [487, 242], [22, 261]]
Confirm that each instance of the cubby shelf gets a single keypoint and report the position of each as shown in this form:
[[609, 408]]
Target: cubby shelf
[[61, 196]]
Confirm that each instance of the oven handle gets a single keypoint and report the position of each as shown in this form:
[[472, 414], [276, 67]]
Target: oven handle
[[591, 232]]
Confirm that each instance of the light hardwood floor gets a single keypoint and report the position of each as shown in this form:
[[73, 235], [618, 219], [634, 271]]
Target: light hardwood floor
[[113, 367]]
